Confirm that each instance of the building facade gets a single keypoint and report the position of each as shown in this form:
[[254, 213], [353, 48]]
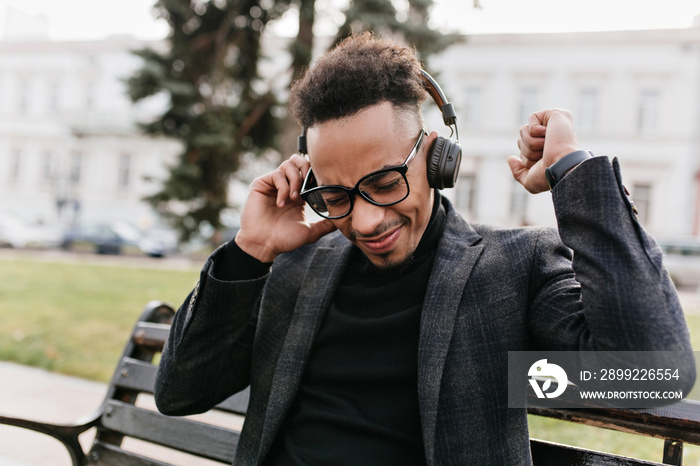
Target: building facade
[[70, 148], [635, 95]]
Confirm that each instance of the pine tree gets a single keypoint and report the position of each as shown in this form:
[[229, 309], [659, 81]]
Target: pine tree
[[411, 24], [219, 108], [216, 110]]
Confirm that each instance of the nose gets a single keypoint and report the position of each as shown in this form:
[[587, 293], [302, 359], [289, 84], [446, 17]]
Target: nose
[[366, 217]]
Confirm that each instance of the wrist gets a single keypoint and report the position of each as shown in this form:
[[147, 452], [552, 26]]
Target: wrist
[[555, 172], [254, 248]]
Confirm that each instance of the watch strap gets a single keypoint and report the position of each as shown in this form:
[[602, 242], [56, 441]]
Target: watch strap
[[557, 170]]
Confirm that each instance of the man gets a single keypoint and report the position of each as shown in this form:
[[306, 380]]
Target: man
[[386, 342]]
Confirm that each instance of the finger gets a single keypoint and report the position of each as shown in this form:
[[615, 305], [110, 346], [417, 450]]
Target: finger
[[528, 156], [537, 124], [537, 118], [294, 179], [295, 170], [538, 131], [279, 180], [320, 229], [302, 163], [288, 179], [533, 142]]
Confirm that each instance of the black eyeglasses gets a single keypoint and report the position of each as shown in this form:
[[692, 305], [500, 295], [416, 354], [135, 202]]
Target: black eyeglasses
[[384, 187]]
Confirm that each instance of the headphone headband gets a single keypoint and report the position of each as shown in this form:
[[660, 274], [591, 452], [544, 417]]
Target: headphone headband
[[446, 108]]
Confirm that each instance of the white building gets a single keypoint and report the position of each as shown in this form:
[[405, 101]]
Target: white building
[[68, 135], [635, 95], [69, 144]]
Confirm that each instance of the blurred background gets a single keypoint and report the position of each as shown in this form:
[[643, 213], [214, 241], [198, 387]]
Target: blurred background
[[130, 130], [114, 138]]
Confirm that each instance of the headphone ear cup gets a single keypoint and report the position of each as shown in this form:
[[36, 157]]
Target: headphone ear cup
[[434, 161], [443, 163]]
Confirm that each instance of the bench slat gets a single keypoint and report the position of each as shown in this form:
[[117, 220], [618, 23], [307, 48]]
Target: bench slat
[[205, 440], [134, 374], [237, 403], [104, 454], [678, 421], [151, 335], [137, 375], [548, 453]]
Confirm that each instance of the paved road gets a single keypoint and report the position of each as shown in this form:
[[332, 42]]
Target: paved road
[[37, 394], [172, 263], [40, 395]]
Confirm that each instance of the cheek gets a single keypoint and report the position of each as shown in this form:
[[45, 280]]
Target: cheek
[[343, 226]]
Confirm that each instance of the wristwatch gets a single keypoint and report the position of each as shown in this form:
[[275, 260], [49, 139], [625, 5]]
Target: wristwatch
[[557, 170]]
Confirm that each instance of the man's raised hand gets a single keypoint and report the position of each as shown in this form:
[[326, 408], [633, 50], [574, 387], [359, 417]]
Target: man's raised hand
[[273, 220], [548, 136]]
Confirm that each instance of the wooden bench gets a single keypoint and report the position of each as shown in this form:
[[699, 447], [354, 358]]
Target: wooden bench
[[129, 431], [676, 424]]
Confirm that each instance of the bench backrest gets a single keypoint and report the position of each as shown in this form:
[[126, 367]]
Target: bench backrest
[[130, 427], [131, 432]]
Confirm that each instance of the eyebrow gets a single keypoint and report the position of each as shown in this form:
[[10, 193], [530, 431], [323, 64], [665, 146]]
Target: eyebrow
[[364, 176]]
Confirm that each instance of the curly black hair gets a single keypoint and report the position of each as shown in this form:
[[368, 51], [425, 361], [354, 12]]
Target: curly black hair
[[359, 72]]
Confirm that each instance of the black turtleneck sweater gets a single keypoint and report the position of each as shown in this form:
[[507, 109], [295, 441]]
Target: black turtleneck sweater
[[358, 399]]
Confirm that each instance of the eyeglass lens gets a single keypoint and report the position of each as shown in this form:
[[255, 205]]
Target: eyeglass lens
[[383, 188]]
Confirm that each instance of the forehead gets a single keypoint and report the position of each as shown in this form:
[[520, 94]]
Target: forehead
[[342, 151]]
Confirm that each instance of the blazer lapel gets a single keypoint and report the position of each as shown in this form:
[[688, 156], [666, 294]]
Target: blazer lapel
[[454, 261], [315, 295]]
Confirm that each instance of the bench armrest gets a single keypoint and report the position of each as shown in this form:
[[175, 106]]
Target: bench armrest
[[66, 434]]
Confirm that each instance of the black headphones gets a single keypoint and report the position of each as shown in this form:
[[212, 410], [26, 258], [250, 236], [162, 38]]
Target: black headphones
[[445, 155]]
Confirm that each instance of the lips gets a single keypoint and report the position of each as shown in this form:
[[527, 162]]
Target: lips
[[383, 244]]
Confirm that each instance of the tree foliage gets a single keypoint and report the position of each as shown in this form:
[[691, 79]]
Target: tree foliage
[[209, 73], [411, 23], [219, 108]]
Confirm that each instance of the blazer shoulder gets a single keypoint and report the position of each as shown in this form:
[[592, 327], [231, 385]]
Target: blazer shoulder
[[522, 235]]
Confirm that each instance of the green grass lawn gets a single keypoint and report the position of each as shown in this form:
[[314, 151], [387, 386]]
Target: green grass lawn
[[75, 319]]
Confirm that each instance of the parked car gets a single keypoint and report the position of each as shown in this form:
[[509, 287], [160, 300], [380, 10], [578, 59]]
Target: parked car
[[118, 238], [17, 232], [682, 260]]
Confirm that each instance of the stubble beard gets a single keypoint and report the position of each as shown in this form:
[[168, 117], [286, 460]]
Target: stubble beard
[[384, 262]]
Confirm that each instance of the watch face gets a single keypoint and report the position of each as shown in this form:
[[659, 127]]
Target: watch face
[[558, 169]]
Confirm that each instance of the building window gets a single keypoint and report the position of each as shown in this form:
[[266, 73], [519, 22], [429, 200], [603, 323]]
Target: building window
[[587, 110], [23, 97], [47, 166], [529, 103], [76, 168], [472, 105], [89, 95], [648, 111], [641, 196], [54, 89], [465, 193], [518, 203], [125, 169], [15, 166]]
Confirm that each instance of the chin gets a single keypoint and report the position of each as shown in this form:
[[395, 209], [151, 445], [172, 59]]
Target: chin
[[389, 263]]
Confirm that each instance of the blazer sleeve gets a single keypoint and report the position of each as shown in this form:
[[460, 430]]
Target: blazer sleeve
[[207, 356], [620, 298]]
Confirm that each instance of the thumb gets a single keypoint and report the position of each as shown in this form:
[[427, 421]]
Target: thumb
[[320, 229], [518, 169]]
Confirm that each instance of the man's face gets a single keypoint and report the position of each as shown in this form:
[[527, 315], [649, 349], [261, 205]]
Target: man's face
[[343, 151]]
